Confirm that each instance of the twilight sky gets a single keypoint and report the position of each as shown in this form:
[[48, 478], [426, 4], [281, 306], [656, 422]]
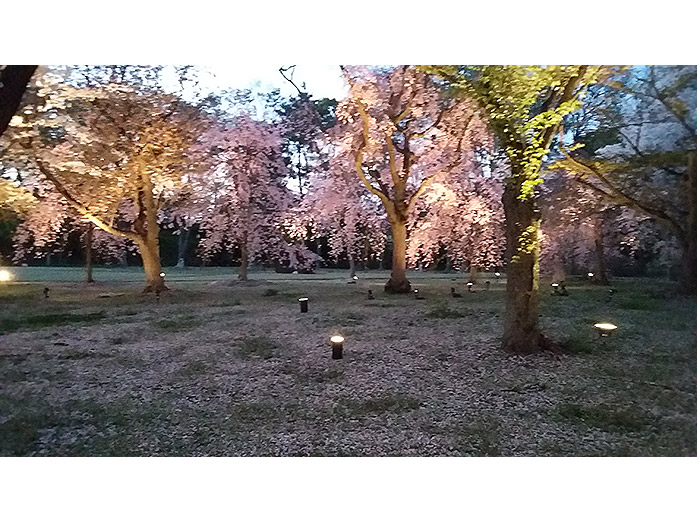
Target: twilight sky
[[321, 80]]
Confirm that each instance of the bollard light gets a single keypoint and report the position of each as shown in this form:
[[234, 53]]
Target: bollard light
[[355, 277], [590, 274], [469, 286], [337, 347], [303, 304], [162, 275], [498, 275], [605, 329], [5, 275], [46, 291]]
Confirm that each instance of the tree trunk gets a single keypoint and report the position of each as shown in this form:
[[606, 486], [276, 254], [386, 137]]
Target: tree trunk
[[600, 274], [398, 282], [244, 258], [150, 254], [352, 265], [521, 330], [183, 243], [47, 259], [13, 84], [88, 252], [688, 274], [474, 273]]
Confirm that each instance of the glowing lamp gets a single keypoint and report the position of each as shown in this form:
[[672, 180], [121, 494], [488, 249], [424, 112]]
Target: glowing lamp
[[590, 274], [469, 286], [555, 286], [162, 275], [605, 329], [5, 275], [497, 274], [303, 304], [355, 277], [337, 347]]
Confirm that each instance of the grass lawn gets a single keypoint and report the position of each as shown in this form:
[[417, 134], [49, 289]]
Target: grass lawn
[[219, 368]]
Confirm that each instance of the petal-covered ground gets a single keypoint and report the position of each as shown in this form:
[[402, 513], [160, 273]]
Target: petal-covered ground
[[225, 369]]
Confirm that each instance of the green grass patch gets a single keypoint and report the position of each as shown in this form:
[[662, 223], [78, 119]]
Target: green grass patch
[[191, 369], [47, 320], [26, 418], [443, 311], [178, 324], [392, 403], [270, 292], [319, 376], [604, 417], [581, 343], [258, 347], [637, 303]]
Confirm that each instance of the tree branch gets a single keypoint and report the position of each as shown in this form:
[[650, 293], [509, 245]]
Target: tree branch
[[82, 209]]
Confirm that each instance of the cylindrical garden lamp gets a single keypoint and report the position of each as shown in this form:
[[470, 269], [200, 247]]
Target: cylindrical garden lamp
[[303, 304], [337, 347], [605, 329]]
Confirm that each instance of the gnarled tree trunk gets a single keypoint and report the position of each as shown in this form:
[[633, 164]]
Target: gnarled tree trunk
[[149, 249], [474, 273], [521, 332], [398, 282]]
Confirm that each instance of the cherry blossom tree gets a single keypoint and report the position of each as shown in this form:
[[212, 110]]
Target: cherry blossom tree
[[463, 216], [338, 207], [115, 153], [248, 197], [400, 133]]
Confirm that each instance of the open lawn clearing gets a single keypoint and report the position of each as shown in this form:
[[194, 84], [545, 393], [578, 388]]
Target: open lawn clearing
[[230, 369]]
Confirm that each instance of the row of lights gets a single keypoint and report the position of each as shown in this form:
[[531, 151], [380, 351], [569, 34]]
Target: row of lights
[[337, 342]]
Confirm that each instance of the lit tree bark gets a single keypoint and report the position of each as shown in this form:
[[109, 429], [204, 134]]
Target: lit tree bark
[[398, 282], [521, 327], [150, 254]]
